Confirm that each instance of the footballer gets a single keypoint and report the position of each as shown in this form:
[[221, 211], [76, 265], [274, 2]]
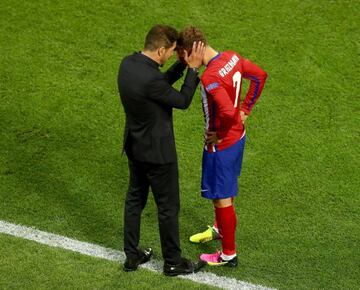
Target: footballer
[[225, 136]]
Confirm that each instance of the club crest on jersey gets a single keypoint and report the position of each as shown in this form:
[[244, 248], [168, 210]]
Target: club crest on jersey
[[229, 66]]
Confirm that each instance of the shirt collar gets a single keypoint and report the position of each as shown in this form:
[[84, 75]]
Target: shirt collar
[[147, 59], [215, 57]]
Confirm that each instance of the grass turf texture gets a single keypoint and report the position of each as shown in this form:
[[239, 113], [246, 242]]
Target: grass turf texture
[[34, 266], [61, 131]]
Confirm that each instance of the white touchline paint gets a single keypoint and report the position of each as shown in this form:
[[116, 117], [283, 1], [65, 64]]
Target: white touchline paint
[[114, 255]]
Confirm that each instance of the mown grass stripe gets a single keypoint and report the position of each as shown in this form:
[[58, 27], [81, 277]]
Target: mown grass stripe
[[97, 251]]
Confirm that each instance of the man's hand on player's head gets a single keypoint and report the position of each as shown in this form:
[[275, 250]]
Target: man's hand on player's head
[[195, 59]]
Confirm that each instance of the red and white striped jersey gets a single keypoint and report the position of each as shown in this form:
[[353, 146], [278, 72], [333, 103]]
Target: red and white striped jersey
[[221, 85]]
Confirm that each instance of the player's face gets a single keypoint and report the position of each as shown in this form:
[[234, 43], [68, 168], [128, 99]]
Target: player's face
[[181, 54], [166, 53]]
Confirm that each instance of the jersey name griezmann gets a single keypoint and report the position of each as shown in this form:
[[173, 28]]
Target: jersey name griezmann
[[229, 66]]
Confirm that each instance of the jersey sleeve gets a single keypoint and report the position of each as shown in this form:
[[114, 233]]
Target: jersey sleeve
[[224, 105], [257, 77]]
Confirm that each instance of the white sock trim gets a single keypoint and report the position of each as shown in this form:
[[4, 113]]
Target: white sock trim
[[226, 257]]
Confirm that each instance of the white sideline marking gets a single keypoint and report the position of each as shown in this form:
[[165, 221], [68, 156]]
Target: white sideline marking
[[93, 250]]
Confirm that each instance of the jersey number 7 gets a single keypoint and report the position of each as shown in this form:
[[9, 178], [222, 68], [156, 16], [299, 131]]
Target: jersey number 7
[[236, 82]]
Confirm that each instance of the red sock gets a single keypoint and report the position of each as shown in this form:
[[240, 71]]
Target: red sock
[[215, 221], [226, 219]]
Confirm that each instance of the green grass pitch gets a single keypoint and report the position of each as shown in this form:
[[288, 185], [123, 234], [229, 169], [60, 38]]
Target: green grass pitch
[[61, 127]]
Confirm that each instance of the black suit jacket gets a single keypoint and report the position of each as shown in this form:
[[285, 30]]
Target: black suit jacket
[[148, 99]]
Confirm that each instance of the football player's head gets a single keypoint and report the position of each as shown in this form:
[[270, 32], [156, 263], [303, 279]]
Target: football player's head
[[161, 39], [186, 39]]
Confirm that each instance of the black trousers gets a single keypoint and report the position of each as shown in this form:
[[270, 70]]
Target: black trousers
[[163, 179]]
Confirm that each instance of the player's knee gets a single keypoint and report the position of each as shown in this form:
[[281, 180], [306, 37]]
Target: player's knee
[[225, 202]]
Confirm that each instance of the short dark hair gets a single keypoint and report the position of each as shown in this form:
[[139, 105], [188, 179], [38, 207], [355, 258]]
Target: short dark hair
[[188, 36], [160, 36]]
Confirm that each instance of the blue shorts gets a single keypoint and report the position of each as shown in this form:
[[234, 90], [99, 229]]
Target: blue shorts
[[220, 171]]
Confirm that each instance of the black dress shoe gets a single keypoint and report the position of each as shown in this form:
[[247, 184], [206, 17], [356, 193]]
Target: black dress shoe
[[133, 264], [183, 268]]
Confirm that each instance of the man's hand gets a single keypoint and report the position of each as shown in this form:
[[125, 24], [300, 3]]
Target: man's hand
[[194, 60], [212, 138], [243, 116]]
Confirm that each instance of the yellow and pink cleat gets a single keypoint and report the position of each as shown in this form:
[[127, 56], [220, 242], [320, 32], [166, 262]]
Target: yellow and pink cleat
[[215, 259], [206, 236]]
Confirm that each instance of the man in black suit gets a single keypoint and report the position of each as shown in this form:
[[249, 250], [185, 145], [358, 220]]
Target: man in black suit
[[148, 100]]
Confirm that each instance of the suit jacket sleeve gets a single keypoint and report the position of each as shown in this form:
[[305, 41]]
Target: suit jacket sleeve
[[175, 72], [162, 92]]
